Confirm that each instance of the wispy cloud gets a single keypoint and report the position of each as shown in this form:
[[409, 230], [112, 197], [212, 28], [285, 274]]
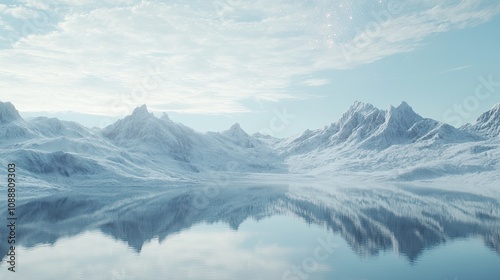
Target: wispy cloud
[[316, 82], [454, 69], [105, 57], [405, 31]]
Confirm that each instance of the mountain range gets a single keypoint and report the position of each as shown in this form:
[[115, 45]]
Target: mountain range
[[366, 142]]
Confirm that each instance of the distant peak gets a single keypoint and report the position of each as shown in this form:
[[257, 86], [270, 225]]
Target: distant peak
[[403, 114], [404, 105], [8, 113], [235, 130], [360, 105], [141, 109], [235, 126], [165, 117], [494, 110], [490, 119], [142, 112], [262, 135]]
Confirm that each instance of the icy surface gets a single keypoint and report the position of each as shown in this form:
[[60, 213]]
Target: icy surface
[[371, 218]]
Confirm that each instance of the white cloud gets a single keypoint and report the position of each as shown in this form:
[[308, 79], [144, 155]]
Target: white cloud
[[21, 12], [455, 69], [190, 255], [107, 57], [316, 82], [406, 32]]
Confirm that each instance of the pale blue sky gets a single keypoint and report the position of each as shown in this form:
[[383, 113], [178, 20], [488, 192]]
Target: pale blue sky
[[273, 66]]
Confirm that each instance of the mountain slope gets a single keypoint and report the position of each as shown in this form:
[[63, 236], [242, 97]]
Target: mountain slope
[[143, 132], [365, 127], [8, 113], [177, 144], [12, 126], [394, 144], [488, 124], [239, 137]]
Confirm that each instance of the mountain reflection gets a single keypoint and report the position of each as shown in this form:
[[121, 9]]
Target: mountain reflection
[[408, 220]]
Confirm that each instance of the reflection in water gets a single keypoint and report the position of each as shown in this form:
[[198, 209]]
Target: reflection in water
[[406, 220]]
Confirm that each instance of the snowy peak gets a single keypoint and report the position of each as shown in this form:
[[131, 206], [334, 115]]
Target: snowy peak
[[359, 121], [403, 115], [141, 123], [132, 126], [12, 126], [8, 113], [238, 136], [358, 108], [404, 106], [235, 129], [398, 120], [488, 124], [403, 126], [165, 117], [365, 126], [368, 124], [141, 112]]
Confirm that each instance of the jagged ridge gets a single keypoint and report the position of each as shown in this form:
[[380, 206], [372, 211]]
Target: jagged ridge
[[365, 139]]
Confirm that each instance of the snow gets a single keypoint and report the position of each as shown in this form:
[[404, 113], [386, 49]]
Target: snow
[[488, 124], [239, 137], [365, 143], [8, 113]]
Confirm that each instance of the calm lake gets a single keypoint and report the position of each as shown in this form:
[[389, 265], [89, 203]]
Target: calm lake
[[250, 231]]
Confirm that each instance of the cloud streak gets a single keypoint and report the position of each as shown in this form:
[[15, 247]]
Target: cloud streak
[[207, 57], [454, 69]]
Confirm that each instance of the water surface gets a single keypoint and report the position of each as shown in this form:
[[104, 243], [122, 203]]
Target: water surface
[[260, 231]]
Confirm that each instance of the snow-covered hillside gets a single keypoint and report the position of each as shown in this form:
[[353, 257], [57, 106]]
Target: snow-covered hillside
[[394, 144], [366, 142], [488, 124], [175, 145], [365, 127], [137, 148]]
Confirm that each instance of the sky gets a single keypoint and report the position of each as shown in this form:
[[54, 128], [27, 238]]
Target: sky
[[276, 67]]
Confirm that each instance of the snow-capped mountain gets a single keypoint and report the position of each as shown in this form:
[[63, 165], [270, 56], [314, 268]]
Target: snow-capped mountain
[[488, 124], [402, 126], [143, 132], [392, 144], [166, 141], [239, 137], [380, 144], [8, 113], [367, 127], [12, 126]]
